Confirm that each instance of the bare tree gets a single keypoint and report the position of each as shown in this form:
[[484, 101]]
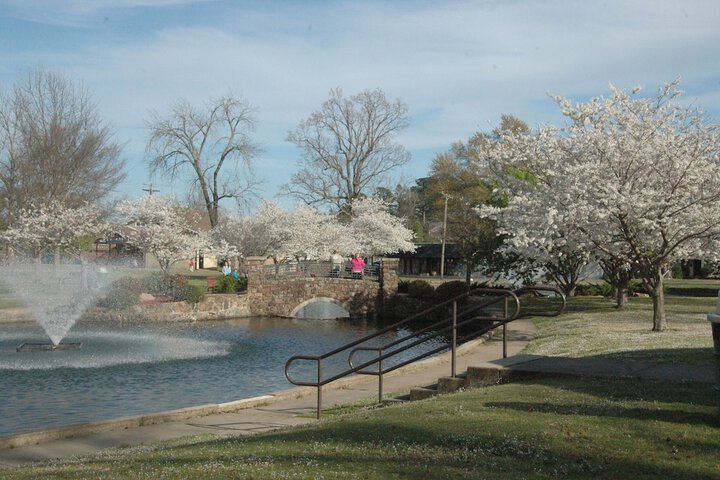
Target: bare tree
[[54, 148], [212, 145], [347, 148]]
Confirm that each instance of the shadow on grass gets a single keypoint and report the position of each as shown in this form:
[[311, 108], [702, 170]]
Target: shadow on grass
[[692, 403], [687, 357]]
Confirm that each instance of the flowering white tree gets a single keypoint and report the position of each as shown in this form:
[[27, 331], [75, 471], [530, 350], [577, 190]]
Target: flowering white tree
[[263, 234], [56, 228], [157, 228], [638, 178], [376, 230], [540, 236], [314, 234], [308, 233]]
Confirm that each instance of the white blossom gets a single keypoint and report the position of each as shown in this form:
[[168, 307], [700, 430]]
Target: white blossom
[[636, 179], [156, 227]]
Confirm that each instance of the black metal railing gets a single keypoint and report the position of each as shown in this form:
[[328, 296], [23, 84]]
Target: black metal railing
[[317, 269], [483, 310]]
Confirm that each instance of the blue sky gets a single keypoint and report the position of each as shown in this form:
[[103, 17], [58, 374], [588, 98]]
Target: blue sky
[[458, 65]]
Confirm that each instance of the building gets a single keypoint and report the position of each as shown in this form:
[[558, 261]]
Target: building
[[426, 260]]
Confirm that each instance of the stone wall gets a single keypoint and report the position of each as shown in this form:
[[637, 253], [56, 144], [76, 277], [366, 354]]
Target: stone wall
[[213, 307]]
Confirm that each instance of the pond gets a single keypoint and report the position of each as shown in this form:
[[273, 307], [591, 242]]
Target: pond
[[123, 371]]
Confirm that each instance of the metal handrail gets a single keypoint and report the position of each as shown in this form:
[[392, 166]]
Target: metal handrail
[[416, 338]]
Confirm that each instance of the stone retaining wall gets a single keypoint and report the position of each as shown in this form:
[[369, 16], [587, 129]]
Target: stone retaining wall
[[214, 306]]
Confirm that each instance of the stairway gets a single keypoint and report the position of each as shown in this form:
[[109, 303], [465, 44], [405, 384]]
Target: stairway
[[474, 377]]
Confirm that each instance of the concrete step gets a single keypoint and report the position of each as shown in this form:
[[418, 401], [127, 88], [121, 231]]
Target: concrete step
[[450, 384], [395, 401], [482, 376], [421, 393]]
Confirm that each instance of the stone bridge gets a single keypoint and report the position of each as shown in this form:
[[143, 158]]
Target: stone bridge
[[285, 295]]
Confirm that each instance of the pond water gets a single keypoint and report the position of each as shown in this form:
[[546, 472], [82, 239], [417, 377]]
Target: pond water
[[131, 370]]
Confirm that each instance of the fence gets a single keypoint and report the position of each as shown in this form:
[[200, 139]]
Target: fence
[[316, 269]]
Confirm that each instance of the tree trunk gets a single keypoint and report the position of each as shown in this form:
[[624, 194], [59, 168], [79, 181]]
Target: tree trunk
[[658, 296], [621, 297], [468, 273]]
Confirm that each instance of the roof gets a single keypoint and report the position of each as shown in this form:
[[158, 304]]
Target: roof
[[429, 250]]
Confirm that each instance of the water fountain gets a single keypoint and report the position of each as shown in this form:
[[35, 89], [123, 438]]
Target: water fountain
[[57, 296]]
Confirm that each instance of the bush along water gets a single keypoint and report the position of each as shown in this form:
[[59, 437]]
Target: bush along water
[[125, 292], [229, 284], [449, 290], [420, 290]]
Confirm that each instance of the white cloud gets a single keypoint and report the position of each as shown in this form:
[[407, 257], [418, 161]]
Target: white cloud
[[458, 65]]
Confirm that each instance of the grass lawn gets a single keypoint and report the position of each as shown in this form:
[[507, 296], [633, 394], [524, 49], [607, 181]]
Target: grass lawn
[[593, 326], [548, 428]]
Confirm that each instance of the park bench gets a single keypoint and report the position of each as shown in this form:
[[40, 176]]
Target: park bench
[[211, 283]]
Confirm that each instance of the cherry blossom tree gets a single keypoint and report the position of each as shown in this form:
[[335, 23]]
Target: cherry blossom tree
[[636, 178], [56, 228], [377, 231], [157, 228], [307, 232]]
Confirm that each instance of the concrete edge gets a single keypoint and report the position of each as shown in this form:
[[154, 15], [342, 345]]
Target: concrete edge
[[70, 431]]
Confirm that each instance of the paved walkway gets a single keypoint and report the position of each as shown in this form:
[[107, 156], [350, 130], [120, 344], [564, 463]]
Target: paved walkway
[[295, 407]]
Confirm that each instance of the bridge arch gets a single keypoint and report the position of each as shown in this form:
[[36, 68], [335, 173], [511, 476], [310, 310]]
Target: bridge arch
[[284, 295], [321, 308]]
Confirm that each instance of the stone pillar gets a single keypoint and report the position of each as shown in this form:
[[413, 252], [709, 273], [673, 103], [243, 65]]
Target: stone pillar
[[388, 282], [714, 319], [256, 278]]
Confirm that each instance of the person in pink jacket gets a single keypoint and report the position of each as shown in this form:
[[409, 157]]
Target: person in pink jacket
[[358, 264]]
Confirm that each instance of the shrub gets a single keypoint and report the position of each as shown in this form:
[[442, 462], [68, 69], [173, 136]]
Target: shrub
[[119, 298], [229, 284], [403, 286], [160, 283], [594, 289], [129, 283], [450, 290], [226, 284], [242, 284], [421, 290], [191, 294]]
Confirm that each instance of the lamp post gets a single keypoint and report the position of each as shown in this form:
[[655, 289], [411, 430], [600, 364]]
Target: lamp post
[[442, 248]]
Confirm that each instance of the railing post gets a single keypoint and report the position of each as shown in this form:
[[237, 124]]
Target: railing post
[[504, 334], [454, 338], [319, 387], [380, 377]]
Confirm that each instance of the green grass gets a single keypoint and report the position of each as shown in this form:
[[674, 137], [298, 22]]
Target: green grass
[[593, 326], [692, 283], [571, 428]]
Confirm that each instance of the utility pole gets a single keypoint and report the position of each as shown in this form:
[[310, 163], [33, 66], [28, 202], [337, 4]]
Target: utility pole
[[442, 249], [150, 190]]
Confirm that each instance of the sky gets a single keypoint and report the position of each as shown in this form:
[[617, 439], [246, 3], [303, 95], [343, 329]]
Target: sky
[[458, 64]]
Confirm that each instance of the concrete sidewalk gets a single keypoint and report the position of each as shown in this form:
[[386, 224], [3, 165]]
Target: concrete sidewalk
[[297, 406]]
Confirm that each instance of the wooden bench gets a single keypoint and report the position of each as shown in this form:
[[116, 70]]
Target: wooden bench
[[211, 283]]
